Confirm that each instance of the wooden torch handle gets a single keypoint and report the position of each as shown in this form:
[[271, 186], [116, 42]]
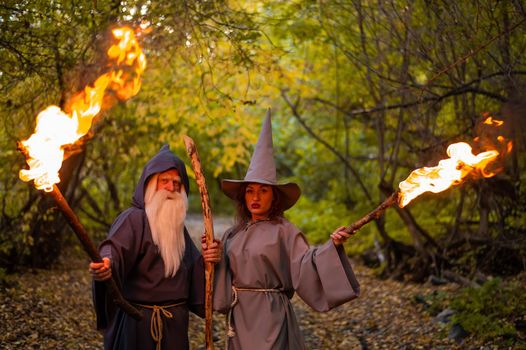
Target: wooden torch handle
[[89, 247], [87, 244], [375, 214]]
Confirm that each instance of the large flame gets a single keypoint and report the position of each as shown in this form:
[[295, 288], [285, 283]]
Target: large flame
[[452, 171], [55, 128]]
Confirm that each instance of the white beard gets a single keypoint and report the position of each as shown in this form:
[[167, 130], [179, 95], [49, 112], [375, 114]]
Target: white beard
[[166, 212]]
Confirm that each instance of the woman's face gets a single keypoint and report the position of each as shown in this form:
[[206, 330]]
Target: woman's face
[[258, 199]]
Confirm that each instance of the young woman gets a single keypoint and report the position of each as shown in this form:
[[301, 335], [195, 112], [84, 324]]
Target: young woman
[[267, 259]]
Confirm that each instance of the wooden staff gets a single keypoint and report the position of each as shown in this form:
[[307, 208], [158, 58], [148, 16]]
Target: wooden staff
[[209, 235], [89, 247], [373, 215]]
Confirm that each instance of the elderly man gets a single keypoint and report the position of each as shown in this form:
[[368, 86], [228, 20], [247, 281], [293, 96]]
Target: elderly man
[[157, 266]]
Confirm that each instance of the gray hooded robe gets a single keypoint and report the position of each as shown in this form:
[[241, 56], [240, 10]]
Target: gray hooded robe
[[138, 269], [275, 255]]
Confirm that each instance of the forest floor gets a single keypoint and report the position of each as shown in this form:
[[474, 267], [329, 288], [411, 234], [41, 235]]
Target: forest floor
[[52, 309]]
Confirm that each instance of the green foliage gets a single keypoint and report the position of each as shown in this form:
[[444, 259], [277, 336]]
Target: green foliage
[[44, 61], [327, 218], [490, 310], [361, 95], [318, 219], [435, 301]]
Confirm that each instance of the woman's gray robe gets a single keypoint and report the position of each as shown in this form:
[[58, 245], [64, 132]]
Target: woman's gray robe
[[275, 255]]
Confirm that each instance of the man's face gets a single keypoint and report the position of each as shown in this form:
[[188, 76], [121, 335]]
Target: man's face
[[165, 203], [169, 180]]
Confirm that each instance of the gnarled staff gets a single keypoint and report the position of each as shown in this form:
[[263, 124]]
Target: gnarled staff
[[209, 235]]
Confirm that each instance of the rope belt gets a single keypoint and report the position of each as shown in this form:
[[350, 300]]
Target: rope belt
[[156, 322], [230, 329]]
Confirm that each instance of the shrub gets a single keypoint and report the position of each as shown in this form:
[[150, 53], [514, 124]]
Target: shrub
[[490, 311]]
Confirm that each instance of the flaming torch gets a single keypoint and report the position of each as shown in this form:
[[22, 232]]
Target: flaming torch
[[460, 165], [55, 130]]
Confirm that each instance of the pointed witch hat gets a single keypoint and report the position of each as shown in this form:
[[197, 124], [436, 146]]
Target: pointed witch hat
[[262, 170]]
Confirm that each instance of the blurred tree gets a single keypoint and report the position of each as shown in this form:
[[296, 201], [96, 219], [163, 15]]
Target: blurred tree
[[362, 93], [384, 88], [49, 53]]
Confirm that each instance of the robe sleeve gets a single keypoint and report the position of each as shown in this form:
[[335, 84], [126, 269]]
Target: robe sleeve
[[196, 276], [223, 281], [121, 246], [322, 276]]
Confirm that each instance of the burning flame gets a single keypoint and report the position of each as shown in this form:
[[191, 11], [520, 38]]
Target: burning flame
[[491, 121], [452, 171], [55, 128]]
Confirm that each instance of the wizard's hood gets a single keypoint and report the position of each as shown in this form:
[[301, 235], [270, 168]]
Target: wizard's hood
[[162, 161]]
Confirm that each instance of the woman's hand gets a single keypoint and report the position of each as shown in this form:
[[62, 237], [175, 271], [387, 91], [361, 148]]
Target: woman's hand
[[212, 253], [100, 271], [339, 236]]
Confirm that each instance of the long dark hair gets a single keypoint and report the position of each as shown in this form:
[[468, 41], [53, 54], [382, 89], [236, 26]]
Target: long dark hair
[[243, 215]]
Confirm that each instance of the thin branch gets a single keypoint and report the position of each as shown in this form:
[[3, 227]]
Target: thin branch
[[474, 52], [458, 91], [95, 218], [296, 114], [93, 205]]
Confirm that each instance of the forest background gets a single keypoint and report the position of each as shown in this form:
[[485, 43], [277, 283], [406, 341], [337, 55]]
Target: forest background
[[361, 92]]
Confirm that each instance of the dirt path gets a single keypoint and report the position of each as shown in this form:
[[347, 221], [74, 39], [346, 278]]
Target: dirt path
[[53, 310]]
